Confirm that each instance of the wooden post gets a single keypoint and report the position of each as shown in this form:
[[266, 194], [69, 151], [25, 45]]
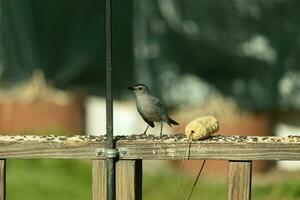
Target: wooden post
[[129, 179], [99, 180], [128, 183], [2, 179], [239, 180]]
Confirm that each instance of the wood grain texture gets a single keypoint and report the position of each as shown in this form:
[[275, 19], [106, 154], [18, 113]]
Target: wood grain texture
[[129, 180], [99, 179], [2, 179], [150, 147], [239, 180]]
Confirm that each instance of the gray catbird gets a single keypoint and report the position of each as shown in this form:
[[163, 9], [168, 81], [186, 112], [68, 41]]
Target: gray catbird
[[150, 107]]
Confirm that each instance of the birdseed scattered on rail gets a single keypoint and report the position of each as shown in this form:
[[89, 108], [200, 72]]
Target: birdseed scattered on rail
[[151, 138]]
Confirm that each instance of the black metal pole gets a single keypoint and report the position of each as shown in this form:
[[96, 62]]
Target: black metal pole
[[111, 186]]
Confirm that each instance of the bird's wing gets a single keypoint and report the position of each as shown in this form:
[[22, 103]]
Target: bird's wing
[[157, 106], [161, 110]]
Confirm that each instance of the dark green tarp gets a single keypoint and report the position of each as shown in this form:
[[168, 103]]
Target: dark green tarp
[[66, 39]]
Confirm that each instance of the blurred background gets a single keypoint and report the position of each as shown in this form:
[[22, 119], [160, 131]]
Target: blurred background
[[237, 60]]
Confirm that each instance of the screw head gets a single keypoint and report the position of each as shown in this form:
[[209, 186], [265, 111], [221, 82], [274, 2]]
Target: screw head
[[124, 152], [99, 152]]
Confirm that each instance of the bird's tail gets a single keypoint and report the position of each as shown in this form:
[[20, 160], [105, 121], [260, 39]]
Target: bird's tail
[[173, 122]]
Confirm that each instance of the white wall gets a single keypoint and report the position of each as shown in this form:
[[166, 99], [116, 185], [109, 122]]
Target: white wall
[[127, 120]]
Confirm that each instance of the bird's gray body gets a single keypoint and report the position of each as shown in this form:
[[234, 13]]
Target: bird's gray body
[[150, 107]]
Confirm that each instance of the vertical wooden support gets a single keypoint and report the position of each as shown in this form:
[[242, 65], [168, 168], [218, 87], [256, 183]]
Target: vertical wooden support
[[129, 180], [2, 179], [99, 180], [239, 180]]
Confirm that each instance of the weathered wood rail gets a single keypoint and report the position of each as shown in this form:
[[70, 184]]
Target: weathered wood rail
[[238, 150]]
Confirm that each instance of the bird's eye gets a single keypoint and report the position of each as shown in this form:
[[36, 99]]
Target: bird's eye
[[140, 88]]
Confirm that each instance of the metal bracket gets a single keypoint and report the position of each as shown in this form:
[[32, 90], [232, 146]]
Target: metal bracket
[[111, 153]]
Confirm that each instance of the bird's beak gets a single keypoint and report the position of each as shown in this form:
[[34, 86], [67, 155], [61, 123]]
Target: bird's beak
[[130, 88]]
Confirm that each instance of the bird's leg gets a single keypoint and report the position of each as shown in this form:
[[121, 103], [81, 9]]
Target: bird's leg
[[161, 126], [146, 130]]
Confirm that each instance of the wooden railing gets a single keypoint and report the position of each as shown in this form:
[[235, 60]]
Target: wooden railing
[[238, 150]]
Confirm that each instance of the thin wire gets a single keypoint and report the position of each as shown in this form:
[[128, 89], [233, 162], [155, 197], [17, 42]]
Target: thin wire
[[181, 169], [196, 180], [179, 179]]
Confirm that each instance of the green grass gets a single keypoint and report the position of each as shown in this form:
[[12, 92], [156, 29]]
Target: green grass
[[48, 179], [71, 180], [287, 190], [160, 186]]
